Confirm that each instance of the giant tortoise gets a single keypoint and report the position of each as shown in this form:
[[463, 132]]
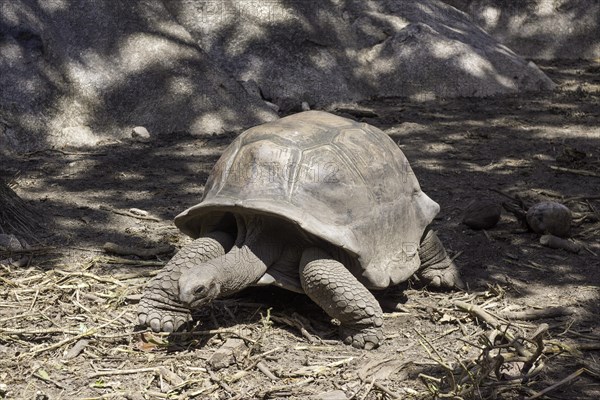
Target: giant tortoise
[[313, 203]]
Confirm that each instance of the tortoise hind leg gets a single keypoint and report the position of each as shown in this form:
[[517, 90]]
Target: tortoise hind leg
[[329, 284], [437, 269], [160, 307]]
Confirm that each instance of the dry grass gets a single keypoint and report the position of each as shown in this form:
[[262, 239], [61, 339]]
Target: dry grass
[[71, 333]]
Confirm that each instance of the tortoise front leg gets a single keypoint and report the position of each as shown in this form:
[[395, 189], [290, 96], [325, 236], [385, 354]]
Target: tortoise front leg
[[437, 269], [329, 284], [160, 307]]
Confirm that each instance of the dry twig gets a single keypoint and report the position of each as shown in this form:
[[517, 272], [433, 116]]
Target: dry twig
[[129, 214], [134, 251], [575, 171]]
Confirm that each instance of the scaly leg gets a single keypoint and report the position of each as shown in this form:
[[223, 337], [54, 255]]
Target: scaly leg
[[160, 307], [329, 284]]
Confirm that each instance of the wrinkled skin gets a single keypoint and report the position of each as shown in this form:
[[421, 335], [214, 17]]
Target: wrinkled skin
[[214, 266]]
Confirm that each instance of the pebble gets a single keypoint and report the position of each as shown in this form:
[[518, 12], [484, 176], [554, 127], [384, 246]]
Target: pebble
[[140, 132], [549, 217], [272, 106], [482, 214], [229, 353]]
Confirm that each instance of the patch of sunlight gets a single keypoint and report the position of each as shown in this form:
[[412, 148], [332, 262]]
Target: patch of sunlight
[[176, 32], [207, 123], [571, 131], [80, 70], [439, 148], [595, 49], [506, 82], [11, 52], [14, 14], [425, 95], [474, 64], [491, 16], [127, 176], [180, 86], [54, 6], [273, 12], [453, 29], [78, 136], [12, 55], [504, 166], [29, 86], [395, 22], [426, 9], [481, 68], [546, 8], [443, 50], [324, 60], [502, 49], [140, 51], [430, 164], [515, 25], [78, 113]]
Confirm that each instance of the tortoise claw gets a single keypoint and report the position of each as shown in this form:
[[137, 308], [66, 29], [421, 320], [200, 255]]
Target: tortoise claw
[[162, 317], [367, 338]]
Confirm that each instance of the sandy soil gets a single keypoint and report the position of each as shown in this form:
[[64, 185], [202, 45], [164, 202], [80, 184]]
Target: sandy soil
[[68, 319]]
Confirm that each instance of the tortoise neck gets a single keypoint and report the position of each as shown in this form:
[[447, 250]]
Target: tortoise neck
[[257, 248]]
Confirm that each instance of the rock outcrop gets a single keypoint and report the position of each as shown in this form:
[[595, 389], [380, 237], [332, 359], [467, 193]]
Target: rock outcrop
[[323, 52], [540, 29], [80, 72], [83, 72]]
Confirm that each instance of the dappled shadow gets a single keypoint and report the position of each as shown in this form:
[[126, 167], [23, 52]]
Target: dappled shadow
[[463, 150], [327, 52], [82, 73], [537, 29], [158, 172], [459, 150]]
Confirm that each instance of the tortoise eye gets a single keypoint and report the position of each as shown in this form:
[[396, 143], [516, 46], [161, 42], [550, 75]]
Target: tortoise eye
[[200, 290]]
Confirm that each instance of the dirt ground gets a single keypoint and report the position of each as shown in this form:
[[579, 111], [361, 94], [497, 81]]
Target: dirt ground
[[68, 318]]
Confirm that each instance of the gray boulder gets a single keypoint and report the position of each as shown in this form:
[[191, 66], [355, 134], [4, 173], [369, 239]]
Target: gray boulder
[[326, 52], [82, 72], [540, 29]]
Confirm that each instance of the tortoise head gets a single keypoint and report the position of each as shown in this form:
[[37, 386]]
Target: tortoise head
[[199, 285]]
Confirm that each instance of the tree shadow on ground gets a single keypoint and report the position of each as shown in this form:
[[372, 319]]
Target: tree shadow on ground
[[459, 149]]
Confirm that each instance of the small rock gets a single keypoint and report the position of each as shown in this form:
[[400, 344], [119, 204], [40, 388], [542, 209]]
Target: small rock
[[333, 395], [482, 214], [10, 243], [137, 211], [231, 351], [76, 349], [549, 217], [39, 395], [555, 242], [140, 133], [305, 106], [272, 106]]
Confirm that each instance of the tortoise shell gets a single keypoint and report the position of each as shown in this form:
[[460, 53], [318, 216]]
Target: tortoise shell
[[342, 181]]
